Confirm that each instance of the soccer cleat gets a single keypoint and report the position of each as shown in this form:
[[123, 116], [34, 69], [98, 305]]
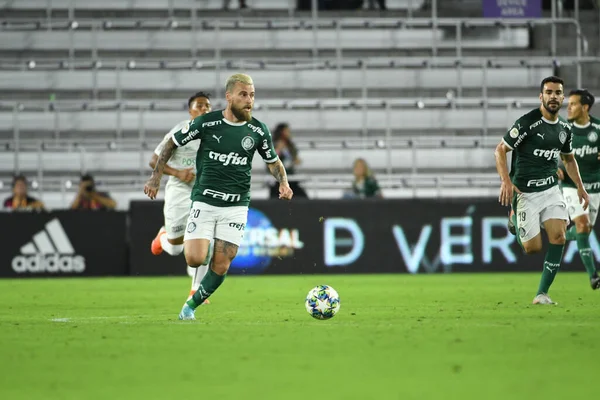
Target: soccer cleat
[[156, 247], [595, 282], [543, 298], [511, 227], [187, 313]]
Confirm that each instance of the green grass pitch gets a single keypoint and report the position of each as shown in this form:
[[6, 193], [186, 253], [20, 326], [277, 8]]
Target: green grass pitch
[[456, 336]]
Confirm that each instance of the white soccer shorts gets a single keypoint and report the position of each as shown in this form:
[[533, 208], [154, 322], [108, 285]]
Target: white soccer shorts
[[225, 223], [533, 209], [576, 210]]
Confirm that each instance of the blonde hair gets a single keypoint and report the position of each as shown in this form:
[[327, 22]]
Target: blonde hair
[[238, 78], [368, 171]]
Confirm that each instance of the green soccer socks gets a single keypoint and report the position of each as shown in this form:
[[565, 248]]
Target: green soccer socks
[[208, 285], [551, 266]]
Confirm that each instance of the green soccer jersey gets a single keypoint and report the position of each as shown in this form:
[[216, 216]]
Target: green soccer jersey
[[585, 146], [225, 154], [366, 188], [536, 143]]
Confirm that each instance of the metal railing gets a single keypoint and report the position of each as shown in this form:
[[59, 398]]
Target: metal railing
[[315, 25]]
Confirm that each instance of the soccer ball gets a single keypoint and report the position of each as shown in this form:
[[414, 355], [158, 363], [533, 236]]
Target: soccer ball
[[322, 302]]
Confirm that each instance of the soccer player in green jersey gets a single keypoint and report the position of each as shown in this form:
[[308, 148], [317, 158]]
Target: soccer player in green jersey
[[537, 139], [585, 145], [221, 194]]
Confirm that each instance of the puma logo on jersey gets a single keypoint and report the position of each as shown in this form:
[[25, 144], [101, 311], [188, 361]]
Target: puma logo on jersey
[[541, 135], [218, 139]]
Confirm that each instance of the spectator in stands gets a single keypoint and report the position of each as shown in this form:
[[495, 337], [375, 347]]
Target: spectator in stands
[[364, 185], [90, 199], [380, 2], [20, 200], [243, 4], [288, 153]]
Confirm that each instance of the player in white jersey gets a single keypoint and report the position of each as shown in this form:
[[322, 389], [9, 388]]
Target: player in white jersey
[[181, 169]]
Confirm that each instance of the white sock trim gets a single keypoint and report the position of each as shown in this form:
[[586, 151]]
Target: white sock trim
[[172, 249]]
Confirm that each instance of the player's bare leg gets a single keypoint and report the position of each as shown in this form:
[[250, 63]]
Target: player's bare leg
[[555, 228]]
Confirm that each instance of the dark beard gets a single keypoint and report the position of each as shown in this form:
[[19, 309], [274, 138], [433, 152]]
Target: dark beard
[[547, 107], [241, 115]]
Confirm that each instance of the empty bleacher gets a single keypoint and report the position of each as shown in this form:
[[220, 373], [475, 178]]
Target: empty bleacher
[[93, 86]]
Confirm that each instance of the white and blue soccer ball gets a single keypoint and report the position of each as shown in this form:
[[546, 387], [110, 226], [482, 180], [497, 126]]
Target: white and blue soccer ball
[[322, 302]]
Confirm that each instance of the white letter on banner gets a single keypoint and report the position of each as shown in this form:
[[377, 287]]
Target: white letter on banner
[[448, 240], [357, 242], [412, 259], [488, 243]]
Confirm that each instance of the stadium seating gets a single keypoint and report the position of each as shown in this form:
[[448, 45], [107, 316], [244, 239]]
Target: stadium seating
[[254, 40], [312, 121], [273, 80], [166, 5], [423, 101]]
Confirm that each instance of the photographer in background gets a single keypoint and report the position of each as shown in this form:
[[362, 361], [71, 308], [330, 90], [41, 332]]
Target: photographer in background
[[20, 200], [90, 199]]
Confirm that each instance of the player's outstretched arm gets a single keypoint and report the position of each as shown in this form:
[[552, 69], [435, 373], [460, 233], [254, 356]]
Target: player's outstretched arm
[[186, 175], [278, 171], [151, 187], [572, 169], [506, 187]]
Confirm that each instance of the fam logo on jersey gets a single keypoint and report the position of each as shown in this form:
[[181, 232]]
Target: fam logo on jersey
[[50, 250], [514, 132], [592, 136], [247, 143], [262, 241], [562, 136]]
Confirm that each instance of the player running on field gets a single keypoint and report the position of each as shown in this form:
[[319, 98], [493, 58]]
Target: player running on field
[[221, 194], [585, 145], [182, 171], [537, 139]]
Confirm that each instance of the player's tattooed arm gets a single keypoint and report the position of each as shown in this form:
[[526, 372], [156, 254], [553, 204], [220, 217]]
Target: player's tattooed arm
[[151, 188], [278, 171], [186, 175]]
